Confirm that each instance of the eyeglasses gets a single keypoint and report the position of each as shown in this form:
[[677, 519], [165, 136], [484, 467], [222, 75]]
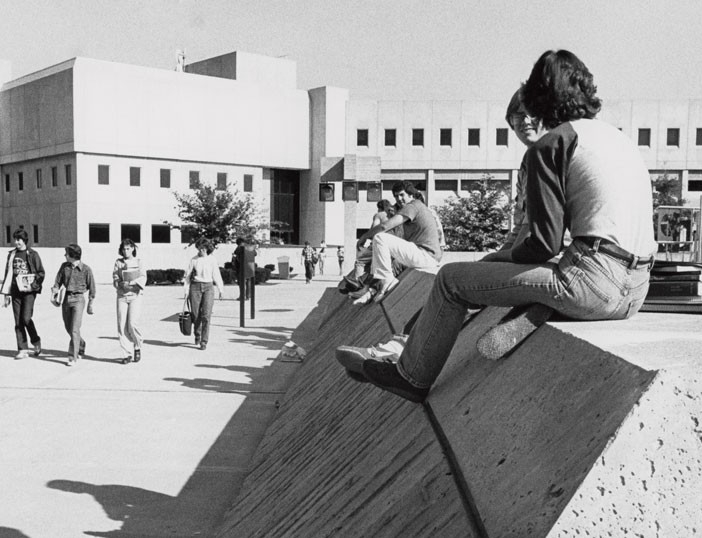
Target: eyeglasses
[[515, 119]]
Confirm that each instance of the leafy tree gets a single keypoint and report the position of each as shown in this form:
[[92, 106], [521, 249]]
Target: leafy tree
[[218, 215], [477, 222], [667, 190]]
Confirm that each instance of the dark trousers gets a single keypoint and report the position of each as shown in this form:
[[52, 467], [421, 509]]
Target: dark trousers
[[72, 312], [309, 270], [23, 310], [201, 303]]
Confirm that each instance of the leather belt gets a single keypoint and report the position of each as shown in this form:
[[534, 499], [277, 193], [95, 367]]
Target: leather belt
[[75, 292], [626, 258]]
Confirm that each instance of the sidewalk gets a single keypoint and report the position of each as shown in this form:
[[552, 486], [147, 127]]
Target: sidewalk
[[158, 448]]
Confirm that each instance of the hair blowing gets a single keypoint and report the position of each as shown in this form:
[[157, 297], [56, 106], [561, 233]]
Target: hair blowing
[[560, 88]]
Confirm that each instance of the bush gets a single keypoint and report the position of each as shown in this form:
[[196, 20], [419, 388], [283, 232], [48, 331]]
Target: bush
[[164, 276], [478, 222]]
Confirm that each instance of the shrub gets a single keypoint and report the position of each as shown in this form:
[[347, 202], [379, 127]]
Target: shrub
[[477, 222], [164, 276]]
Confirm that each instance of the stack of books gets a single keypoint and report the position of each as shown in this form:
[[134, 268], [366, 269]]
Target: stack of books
[[674, 287]]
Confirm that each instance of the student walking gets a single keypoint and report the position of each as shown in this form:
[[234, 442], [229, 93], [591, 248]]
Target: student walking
[[77, 278], [24, 274], [129, 279], [200, 279]]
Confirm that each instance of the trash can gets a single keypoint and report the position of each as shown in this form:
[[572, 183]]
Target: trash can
[[284, 267]]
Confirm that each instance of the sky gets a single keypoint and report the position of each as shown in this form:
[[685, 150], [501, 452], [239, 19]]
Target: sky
[[379, 49]]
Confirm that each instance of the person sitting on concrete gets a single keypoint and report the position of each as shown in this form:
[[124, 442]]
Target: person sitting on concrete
[[583, 175], [418, 248]]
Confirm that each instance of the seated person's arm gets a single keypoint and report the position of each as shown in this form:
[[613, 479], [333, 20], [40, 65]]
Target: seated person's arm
[[392, 222]]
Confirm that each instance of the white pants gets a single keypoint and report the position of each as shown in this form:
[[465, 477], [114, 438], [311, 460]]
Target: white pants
[[128, 314], [389, 247]]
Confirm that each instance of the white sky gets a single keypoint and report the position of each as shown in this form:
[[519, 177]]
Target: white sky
[[379, 49]]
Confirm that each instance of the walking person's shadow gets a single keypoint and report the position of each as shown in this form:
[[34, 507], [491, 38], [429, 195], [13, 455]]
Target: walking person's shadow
[[141, 511]]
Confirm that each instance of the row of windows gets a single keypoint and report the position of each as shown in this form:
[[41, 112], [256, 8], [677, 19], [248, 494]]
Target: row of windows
[[501, 137], [165, 178], [445, 137], [134, 178], [374, 189], [100, 233], [39, 175]]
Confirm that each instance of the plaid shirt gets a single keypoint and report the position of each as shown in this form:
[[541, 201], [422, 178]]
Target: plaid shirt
[[308, 254]]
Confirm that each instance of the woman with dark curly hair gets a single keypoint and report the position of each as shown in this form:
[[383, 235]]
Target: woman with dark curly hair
[[129, 279], [584, 176]]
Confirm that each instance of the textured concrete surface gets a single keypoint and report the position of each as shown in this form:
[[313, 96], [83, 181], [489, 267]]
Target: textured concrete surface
[[587, 429]]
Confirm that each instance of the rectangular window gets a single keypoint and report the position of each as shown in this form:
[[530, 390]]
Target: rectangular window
[[349, 192], [391, 137], [187, 235], [248, 182], [501, 136], [417, 137], [446, 185], [374, 192], [7, 182], [103, 174], [20, 181], [54, 176], [160, 233], [645, 137], [40, 179], [326, 192], [362, 137], [194, 179], [698, 137], [221, 181], [673, 137], [134, 176], [98, 233], [130, 231], [474, 137], [165, 178], [445, 136], [8, 234], [694, 185], [35, 233], [68, 172]]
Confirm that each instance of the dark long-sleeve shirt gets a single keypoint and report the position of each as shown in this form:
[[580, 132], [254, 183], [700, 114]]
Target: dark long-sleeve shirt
[[76, 278]]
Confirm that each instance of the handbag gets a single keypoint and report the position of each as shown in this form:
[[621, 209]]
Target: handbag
[[185, 322]]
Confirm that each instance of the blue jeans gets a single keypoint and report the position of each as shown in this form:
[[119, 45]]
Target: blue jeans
[[201, 303], [23, 310], [72, 312], [582, 285]]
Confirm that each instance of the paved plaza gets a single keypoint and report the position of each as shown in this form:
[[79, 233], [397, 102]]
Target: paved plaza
[[158, 448]]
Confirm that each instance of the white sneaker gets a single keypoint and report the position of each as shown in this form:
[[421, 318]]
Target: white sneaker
[[366, 298], [22, 354]]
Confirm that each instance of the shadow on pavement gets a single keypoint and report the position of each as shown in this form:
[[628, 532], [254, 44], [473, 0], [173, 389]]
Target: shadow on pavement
[[6, 532]]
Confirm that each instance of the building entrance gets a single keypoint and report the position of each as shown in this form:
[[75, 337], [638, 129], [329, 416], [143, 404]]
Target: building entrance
[[285, 207]]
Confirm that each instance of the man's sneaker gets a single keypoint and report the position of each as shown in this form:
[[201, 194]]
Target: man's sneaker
[[386, 288], [386, 376], [37, 349], [71, 361], [514, 328], [352, 358], [22, 354]]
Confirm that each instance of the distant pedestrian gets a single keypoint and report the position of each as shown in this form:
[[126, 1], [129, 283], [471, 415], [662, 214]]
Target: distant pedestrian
[[238, 261], [340, 258], [308, 256], [24, 274], [77, 278], [321, 255], [200, 279], [129, 279]]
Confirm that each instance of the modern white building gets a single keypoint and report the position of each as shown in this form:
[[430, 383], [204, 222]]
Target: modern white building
[[91, 151]]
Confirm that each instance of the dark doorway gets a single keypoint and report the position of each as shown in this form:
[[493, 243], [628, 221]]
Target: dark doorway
[[285, 207]]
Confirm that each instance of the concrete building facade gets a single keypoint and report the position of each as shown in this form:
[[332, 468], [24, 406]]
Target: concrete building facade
[[92, 151]]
